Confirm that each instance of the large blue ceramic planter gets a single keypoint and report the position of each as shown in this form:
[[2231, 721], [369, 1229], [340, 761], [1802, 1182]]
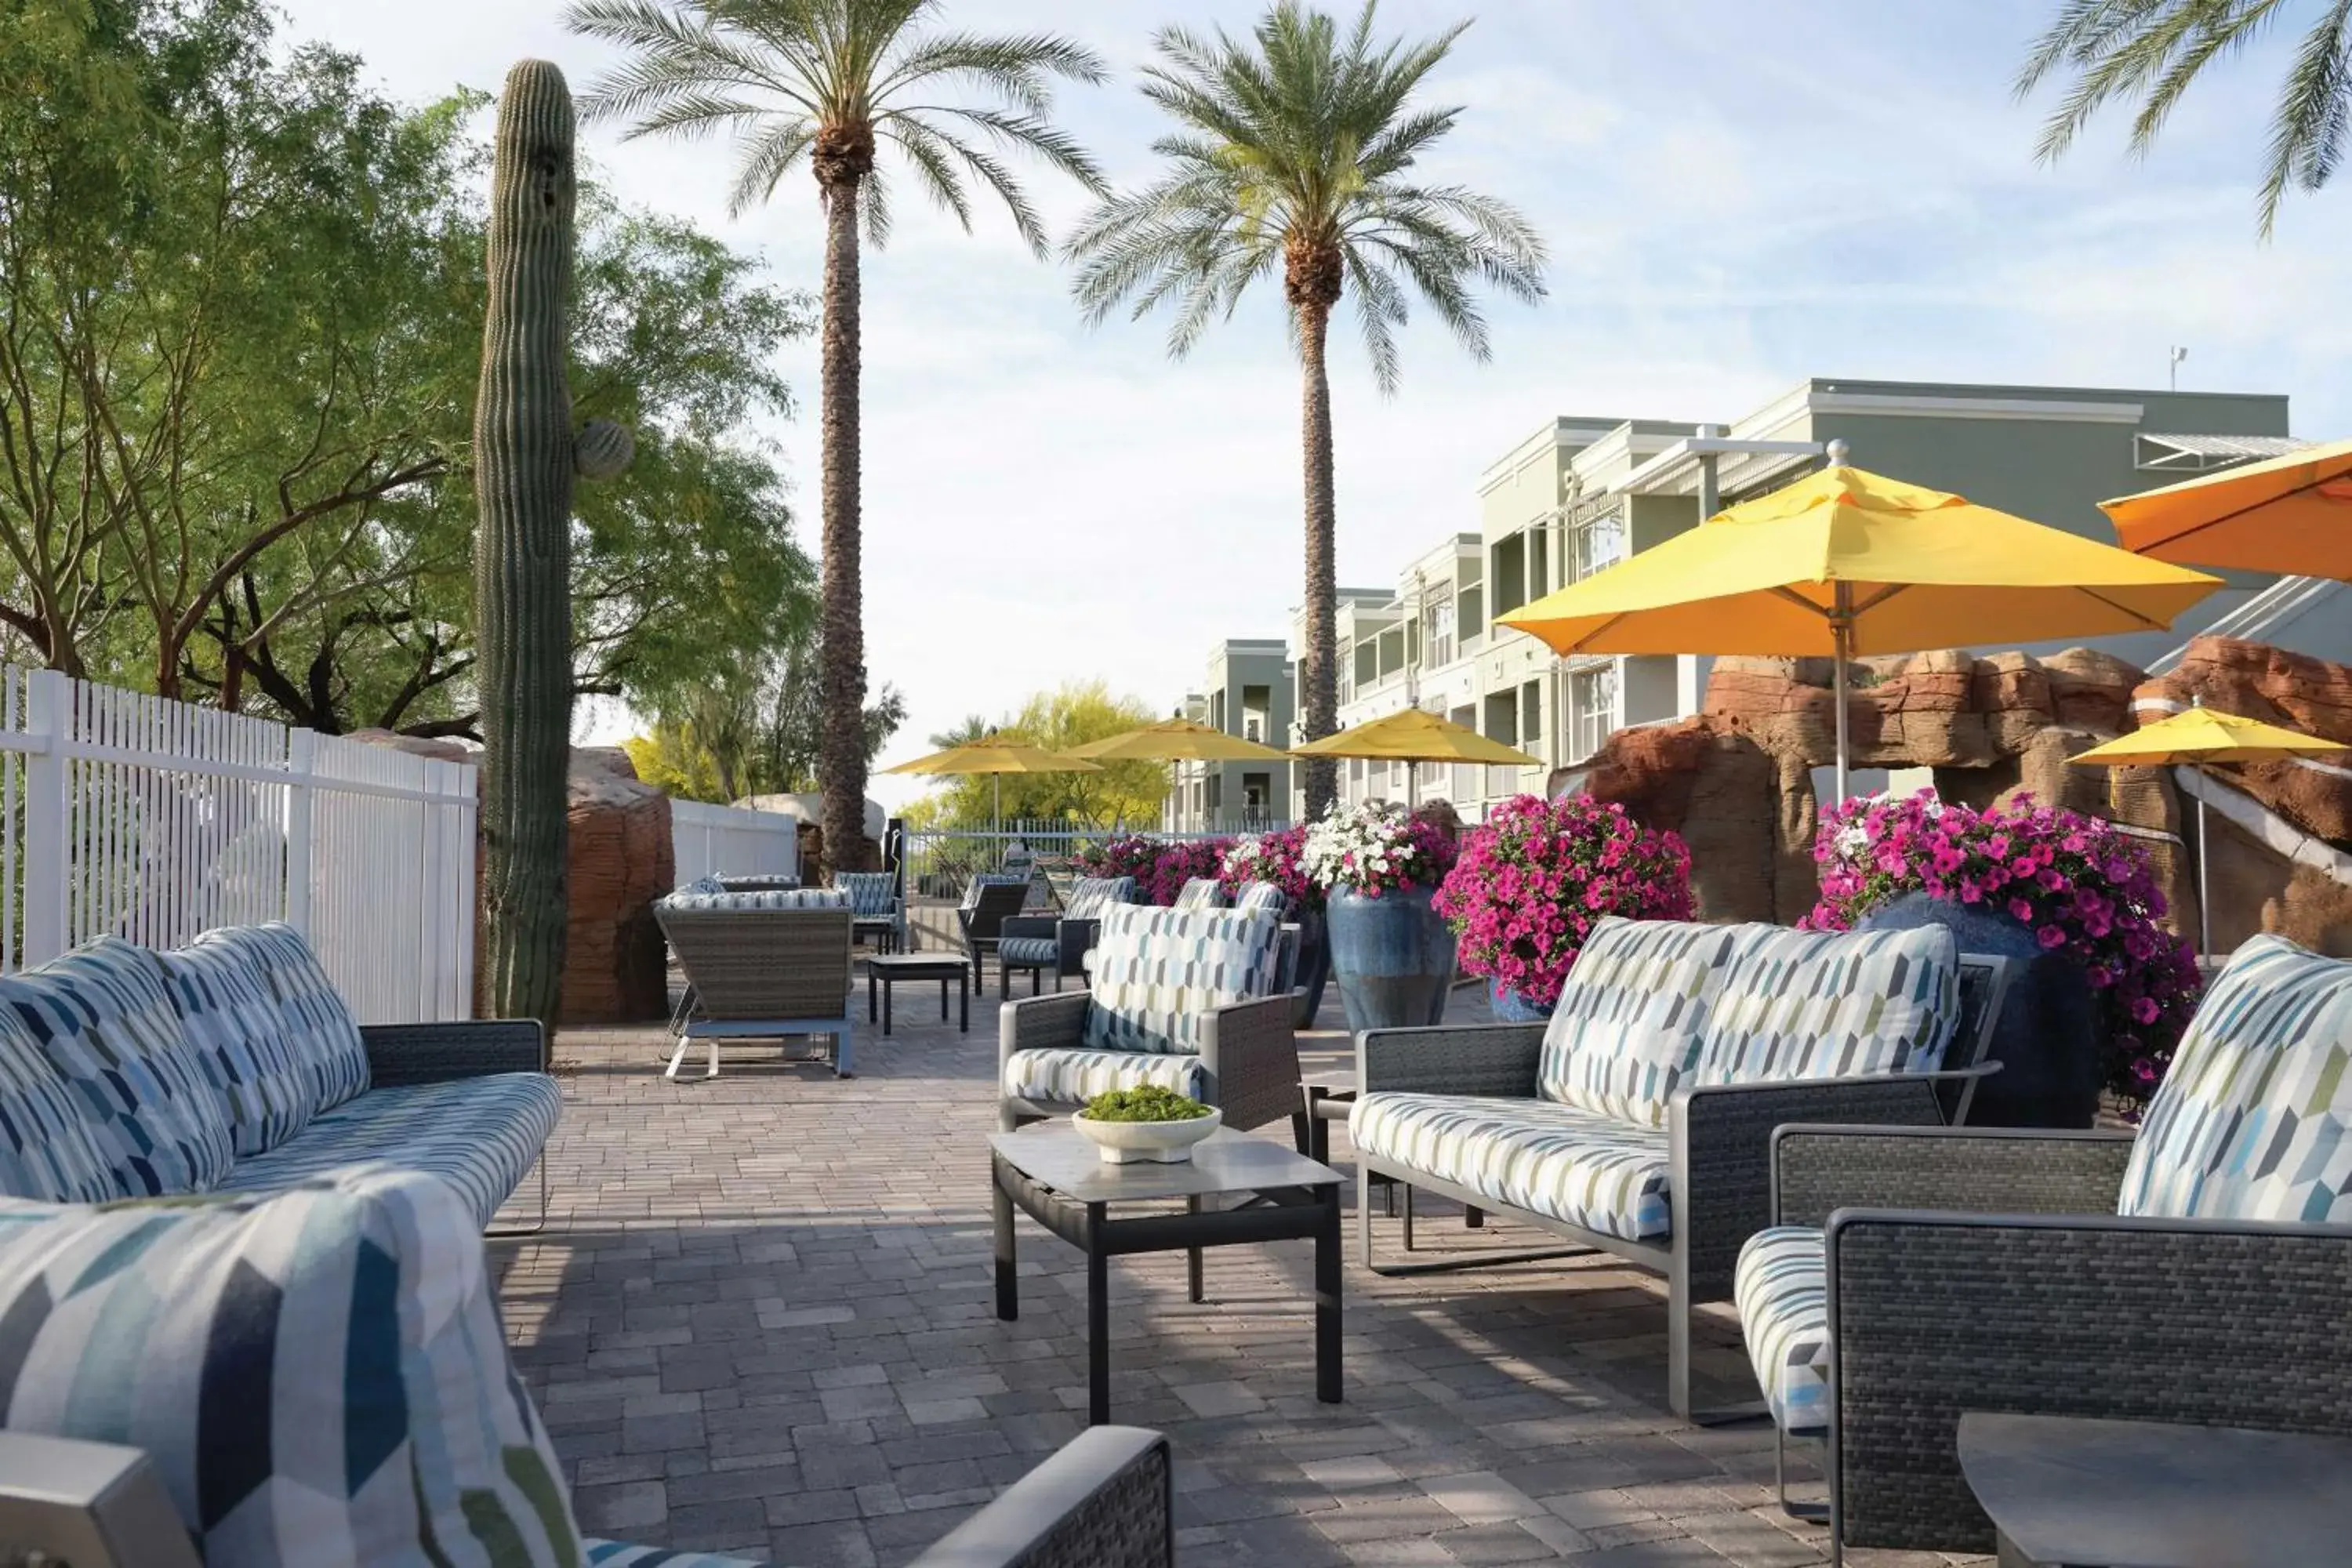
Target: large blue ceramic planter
[[1510, 1007], [1314, 968], [1392, 956]]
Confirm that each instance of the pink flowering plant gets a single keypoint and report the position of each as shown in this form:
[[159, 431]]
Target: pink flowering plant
[[1130, 855], [2080, 884], [1374, 849], [1279, 858], [1533, 880], [1160, 867]]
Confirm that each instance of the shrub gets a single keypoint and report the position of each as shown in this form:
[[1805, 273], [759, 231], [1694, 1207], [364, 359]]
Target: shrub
[[2079, 884], [1145, 1102], [1533, 879], [1374, 849], [1160, 867], [1279, 858]]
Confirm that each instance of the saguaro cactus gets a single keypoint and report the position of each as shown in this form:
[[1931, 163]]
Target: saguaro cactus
[[525, 453]]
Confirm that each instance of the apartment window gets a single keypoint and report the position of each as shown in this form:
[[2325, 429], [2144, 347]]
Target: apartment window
[[1531, 706], [1539, 561], [1592, 709], [1216, 791], [1509, 575], [1257, 790], [1368, 662], [1473, 603], [1356, 770], [1502, 717], [1595, 543], [1441, 632], [1216, 709], [1391, 647]]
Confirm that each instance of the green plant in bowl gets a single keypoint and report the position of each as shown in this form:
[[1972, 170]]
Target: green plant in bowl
[[1148, 1103]]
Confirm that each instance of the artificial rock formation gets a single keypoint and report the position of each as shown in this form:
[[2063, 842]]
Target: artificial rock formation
[[620, 861]]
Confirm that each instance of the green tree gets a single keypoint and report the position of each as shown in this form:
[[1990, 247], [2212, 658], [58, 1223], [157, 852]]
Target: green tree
[[752, 737], [830, 81], [2152, 50], [1294, 152], [1078, 713]]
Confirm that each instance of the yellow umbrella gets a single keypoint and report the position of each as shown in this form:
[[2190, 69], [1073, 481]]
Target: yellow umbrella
[[1412, 736], [1844, 561], [2200, 735], [2291, 514], [1177, 741], [991, 754]]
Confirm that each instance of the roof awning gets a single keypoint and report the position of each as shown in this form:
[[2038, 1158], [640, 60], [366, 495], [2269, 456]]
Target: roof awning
[[2200, 453]]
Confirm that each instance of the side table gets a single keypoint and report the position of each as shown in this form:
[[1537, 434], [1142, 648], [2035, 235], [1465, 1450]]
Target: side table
[[885, 969]]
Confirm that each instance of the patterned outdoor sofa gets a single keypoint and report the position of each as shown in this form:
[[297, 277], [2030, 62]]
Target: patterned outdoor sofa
[[2199, 1273], [1639, 1120], [1058, 942], [1181, 999], [321, 1377], [231, 1064]]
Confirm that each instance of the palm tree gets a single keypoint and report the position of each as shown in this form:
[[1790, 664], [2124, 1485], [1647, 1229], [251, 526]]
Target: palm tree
[[1294, 148], [831, 81], [2152, 49]]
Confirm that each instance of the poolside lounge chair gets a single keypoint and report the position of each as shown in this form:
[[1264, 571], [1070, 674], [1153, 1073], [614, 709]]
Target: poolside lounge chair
[[761, 965], [2196, 1274], [1639, 1120], [1219, 1037], [990, 900], [1058, 942]]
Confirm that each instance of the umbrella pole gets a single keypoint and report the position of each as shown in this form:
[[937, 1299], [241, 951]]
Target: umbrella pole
[[2204, 899], [1412, 785], [996, 815], [1842, 641]]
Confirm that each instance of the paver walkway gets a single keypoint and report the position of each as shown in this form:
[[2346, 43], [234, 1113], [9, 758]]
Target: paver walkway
[[761, 1320]]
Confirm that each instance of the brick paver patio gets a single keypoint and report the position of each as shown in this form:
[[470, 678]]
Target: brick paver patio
[[761, 1320]]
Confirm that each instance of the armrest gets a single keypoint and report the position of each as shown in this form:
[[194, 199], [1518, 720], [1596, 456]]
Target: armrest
[[1105, 1499], [1251, 1051], [1041, 1023], [1490, 1059], [1028, 925], [2207, 1323], [1818, 1170], [99, 1505], [1078, 938], [433, 1053], [1720, 1141]]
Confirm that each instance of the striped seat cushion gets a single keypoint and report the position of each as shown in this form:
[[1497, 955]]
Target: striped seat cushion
[[1783, 1289], [239, 1035], [761, 898], [1017, 950], [319, 1028], [1199, 893], [1066, 1077], [319, 1377], [2251, 1122], [1586, 1169], [103, 1015], [870, 892], [48, 1149], [481, 1135], [1090, 896], [1800, 1003], [1156, 972], [1626, 1032], [621, 1554]]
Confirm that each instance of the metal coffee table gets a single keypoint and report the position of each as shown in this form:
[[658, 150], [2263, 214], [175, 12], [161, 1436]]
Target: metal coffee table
[[1054, 1175], [885, 969], [2142, 1494]]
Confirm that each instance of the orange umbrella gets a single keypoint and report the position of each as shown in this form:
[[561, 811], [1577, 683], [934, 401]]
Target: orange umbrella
[[2290, 514]]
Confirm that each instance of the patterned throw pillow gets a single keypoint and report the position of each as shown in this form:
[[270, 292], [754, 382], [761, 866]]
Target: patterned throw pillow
[[234, 1025], [1632, 1015], [319, 1027], [1806, 1004], [2251, 1122], [1090, 896], [48, 1151], [1156, 972], [103, 1015], [319, 1377]]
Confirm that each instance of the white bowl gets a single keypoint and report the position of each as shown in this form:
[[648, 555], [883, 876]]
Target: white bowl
[[1166, 1142]]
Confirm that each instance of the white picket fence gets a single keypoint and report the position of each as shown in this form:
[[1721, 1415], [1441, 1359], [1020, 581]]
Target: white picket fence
[[733, 841], [127, 814]]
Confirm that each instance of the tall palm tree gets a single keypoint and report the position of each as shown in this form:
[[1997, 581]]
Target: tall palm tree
[[2152, 50], [831, 81], [1294, 148]]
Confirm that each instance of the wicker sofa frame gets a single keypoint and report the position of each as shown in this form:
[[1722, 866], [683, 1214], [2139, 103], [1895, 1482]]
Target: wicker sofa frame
[[1720, 1142], [1989, 1271], [435, 1053], [1249, 1056], [760, 974], [1105, 1499]]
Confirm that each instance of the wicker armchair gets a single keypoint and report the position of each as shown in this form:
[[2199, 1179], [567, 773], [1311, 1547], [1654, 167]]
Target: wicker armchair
[[1234, 1049], [1715, 1153], [1058, 942], [877, 906], [761, 965], [1917, 1273]]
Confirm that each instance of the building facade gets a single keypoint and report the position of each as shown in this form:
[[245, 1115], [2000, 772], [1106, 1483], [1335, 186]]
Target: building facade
[[1249, 691]]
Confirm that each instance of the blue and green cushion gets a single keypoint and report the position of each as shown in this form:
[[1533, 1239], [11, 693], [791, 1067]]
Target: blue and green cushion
[[1157, 972], [1626, 1032], [1568, 1165], [2251, 1122], [48, 1149], [872, 895], [1803, 1004], [319, 1028], [1043, 951], [1073, 1077], [103, 1018], [317, 1377], [481, 1135], [1089, 896], [1781, 1286], [761, 898], [239, 1035], [1199, 893], [621, 1554]]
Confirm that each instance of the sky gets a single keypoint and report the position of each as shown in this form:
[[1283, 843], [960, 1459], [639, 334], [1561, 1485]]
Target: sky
[[1736, 194]]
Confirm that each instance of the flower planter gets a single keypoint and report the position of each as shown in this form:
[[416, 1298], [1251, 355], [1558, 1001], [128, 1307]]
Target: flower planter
[[1314, 968], [1392, 956], [1510, 1007]]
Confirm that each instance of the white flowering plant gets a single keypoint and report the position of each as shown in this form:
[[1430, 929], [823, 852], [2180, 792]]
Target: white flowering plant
[[1374, 849]]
